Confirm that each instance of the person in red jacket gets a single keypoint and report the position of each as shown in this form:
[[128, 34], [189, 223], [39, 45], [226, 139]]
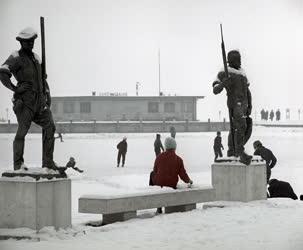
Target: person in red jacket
[[168, 168]]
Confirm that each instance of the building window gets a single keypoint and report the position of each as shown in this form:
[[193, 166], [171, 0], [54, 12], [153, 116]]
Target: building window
[[54, 108], [85, 107], [68, 107], [169, 107], [153, 107], [188, 107]]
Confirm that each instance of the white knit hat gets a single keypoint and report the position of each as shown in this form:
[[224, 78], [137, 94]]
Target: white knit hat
[[170, 143], [27, 34]]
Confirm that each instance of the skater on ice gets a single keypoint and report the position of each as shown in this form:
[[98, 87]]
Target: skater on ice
[[122, 149], [59, 137], [158, 147], [271, 115], [172, 131], [218, 147], [278, 115]]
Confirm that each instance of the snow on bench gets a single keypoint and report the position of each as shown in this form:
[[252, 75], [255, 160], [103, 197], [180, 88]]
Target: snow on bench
[[123, 207]]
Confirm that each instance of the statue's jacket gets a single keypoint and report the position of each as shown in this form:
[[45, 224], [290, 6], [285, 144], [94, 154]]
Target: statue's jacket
[[27, 70], [238, 93]]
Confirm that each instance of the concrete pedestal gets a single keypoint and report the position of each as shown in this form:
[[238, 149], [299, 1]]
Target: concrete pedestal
[[25, 202], [234, 181]]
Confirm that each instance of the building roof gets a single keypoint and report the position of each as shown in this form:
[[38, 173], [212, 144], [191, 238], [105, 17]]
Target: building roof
[[90, 98]]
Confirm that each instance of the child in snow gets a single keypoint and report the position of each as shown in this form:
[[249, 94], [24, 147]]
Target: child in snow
[[218, 146]]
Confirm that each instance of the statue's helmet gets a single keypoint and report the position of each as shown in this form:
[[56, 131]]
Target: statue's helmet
[[27, 34], [233, 55]]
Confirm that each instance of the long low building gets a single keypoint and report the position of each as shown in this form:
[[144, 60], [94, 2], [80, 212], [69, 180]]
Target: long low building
[[124, 108]]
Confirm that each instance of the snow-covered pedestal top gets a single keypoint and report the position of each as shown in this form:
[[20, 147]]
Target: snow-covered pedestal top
[[30, 174]]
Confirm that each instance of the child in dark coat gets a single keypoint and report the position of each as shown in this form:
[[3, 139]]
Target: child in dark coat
[[267, 156], [218, 146], [282, 189]]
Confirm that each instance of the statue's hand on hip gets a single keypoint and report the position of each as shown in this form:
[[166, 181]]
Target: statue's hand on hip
[[22, 88]]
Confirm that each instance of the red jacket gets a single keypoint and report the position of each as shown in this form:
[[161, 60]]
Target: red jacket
[[168, 166]]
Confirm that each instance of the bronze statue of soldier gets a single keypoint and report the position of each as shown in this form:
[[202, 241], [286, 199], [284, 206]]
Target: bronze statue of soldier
[[239, 105], [31, 99]]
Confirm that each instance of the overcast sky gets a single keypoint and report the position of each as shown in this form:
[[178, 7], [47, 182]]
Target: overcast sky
[[108, 46]]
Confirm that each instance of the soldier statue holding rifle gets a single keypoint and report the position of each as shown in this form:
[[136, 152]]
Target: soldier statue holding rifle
[[31, 98], [235, 82]]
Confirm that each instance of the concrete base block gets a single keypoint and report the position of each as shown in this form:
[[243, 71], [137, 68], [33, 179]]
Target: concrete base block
[[234, 181], [180, 208], [111, 218], [25, 202]]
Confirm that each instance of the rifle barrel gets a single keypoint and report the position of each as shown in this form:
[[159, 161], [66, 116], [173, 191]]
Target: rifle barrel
[[223, 52], [226, 74], [43, 46]]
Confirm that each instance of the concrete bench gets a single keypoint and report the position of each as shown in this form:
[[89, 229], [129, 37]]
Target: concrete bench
[[124, 207]]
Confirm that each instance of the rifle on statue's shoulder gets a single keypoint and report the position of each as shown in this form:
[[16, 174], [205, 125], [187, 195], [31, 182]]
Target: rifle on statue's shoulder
[[227, 75], [43, 64], [223, 53]]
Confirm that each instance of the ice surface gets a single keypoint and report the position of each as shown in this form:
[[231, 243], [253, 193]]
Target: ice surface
[[272, 224]]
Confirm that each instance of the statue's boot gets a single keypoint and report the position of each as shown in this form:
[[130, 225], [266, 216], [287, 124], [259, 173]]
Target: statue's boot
[[50, 166], [230, 153], [245, 158]]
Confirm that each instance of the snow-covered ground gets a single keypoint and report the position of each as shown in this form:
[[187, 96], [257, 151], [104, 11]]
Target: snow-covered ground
[[272, 224]]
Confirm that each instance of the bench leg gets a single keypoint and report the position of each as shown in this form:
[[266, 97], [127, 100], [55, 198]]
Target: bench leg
[[181, 208], [111, 218]]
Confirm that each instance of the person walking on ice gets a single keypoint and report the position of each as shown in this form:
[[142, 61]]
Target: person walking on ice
[[122, 149], [158, 145], [218, 146]]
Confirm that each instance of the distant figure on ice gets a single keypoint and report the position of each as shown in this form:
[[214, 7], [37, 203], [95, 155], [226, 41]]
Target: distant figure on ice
[[262, 114], [278, 115], [172, 131], [266, 115], [168, 167], [218, 146], [266, 155], [281, 189], [158, 145], [239, 105], [271, 115], [122, 149], [31, 99], [287, 114], [60, 137]]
